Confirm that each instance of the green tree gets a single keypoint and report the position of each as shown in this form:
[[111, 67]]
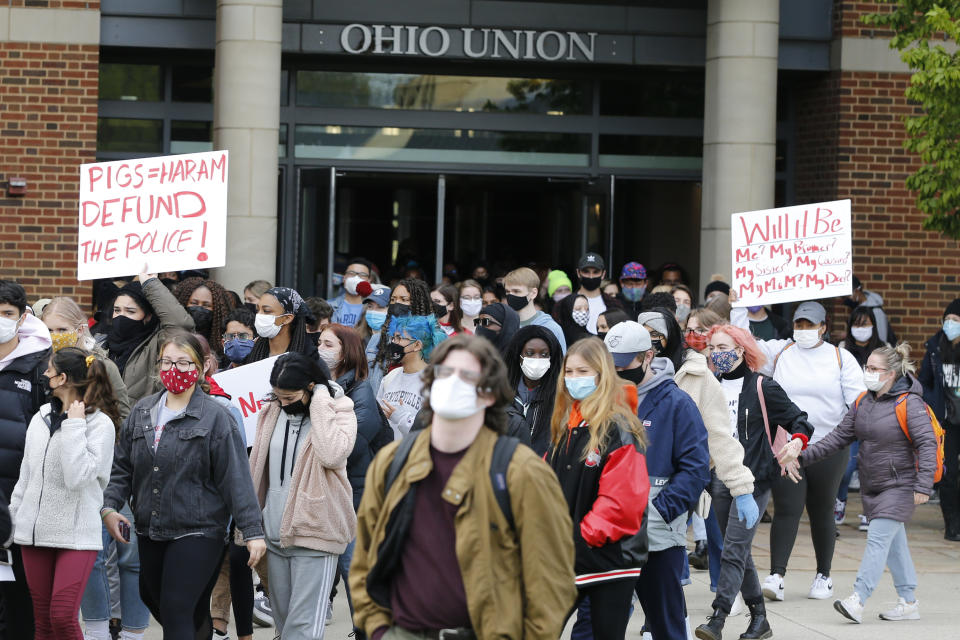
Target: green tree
[[927, 34]]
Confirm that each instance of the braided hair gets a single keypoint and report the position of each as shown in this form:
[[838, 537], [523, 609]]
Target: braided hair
[[292, 303], [222, 306], [420, 305]]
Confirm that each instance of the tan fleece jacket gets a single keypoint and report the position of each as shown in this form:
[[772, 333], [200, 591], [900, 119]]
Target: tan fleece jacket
[[726, 453], [319, 511]]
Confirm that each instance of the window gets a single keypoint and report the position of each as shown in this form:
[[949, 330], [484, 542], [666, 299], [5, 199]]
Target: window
[[131, 82], [192, 84], [129, 135], [651, 152], [654, 94], [190, 137]]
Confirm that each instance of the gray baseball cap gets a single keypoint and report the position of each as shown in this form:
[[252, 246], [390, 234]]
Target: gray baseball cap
[[625, 340], [812, 311]]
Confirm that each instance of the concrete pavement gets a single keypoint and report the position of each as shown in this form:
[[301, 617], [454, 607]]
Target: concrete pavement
[[797, 618]]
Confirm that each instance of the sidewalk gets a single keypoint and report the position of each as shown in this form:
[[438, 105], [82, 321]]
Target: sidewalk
[[797, 618]]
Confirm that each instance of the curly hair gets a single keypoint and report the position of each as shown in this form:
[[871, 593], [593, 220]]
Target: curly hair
[[420, 305], [222, 306]]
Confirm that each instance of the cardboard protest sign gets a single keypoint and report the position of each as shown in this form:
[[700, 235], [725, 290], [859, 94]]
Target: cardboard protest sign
[[168, 213], [793, 253], [248, 387]]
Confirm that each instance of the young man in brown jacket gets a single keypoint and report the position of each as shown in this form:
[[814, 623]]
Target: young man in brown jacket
[[437, 555]]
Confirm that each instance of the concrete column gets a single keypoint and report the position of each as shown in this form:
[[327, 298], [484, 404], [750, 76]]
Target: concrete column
[[246, 121], [740, 121]]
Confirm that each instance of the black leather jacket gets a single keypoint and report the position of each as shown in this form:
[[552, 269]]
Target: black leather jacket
[[198, 477]]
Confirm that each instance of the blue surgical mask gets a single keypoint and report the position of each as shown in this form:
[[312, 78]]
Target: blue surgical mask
[[634, 294], [580, 388], [237, 350], [375, 319], [952, 329], [724, 361]]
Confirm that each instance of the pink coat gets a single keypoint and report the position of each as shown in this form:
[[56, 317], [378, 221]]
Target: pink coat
[[319, 511]]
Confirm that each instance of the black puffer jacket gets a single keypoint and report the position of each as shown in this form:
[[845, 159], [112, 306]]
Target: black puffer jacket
[[21, 395], [369, 423]]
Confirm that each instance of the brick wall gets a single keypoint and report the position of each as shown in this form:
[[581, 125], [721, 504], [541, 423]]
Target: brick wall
[[48, 127], [850, 138]]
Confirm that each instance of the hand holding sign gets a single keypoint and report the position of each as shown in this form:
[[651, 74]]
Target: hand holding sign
[[791, 254], [170, 210]]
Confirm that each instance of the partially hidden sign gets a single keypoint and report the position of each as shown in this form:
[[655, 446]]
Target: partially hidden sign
[[248, 387], [167, 213], [793, 253]]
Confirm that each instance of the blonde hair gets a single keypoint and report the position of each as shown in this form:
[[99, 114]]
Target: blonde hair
[[603, 410], [524, 276], [70, 311], [257, 287], [897, 358]]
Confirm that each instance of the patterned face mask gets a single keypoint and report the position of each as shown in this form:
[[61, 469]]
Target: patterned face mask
[[724, 361], [581, 317], [177, 382], [63, 339]]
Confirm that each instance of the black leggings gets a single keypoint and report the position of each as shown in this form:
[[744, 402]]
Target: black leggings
[[817, 490], [176, 579], [609, 607], [241, 589]]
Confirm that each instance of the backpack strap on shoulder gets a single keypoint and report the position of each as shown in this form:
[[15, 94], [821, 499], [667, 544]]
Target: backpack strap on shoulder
[[901, 409], [502, 454], [400, 459], [777, 358], [839, 359], [856, 403]]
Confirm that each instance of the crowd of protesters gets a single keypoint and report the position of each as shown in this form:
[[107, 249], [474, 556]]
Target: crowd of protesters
[[488, 457]]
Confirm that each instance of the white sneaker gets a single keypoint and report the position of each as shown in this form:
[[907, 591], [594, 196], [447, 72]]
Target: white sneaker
[[738, 606], [903, 611], [864, 525], [850, 608], [821, 589], [839, 511], [262, 613], [773, 587]]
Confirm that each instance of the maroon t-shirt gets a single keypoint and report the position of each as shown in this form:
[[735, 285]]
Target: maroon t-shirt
[[427, 591]]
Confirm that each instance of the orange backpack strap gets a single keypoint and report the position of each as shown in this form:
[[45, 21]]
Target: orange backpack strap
[[839, 359], [856, 403], [901, 408], [775, 360]]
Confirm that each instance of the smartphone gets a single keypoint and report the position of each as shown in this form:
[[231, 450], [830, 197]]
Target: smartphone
[[125, 531]]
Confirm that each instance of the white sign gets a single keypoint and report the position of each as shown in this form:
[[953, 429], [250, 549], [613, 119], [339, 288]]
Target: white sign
[[152, 214], [793, 253], [248, 387]]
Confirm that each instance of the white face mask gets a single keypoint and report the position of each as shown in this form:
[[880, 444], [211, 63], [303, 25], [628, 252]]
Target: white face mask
[[330, 358], [265, 326], [8, 329], [581, 317], [806, 338], [350, 284], [453, 399], [872, 381], [683, 311], [534, 368], [861, 334], [471, 307]]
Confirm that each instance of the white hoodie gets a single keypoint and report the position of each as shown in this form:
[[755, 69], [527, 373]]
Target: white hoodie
[[34, 336]]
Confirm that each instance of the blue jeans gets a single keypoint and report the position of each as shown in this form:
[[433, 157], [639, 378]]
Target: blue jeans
[[886, 546], [851, 467], [96, 597]]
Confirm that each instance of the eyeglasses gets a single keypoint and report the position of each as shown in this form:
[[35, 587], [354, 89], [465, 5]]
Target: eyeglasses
[[227, 337], [656, 336], [359, 274], [441, 371], [700, 332], [487, 322], [870, 369], [182, 365]]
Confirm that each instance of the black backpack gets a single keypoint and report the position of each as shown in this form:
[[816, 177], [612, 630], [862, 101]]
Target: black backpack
[[502, 454]]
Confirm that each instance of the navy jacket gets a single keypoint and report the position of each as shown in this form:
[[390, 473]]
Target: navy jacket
[[678, 461], [931, 377], [369, 422], [21, 396]]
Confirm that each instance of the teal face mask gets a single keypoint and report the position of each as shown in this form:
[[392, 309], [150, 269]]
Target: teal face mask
[[375, 319], [580, 388], [952, 329]]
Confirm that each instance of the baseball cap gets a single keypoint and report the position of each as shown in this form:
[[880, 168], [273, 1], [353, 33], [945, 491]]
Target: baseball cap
[[812, 311], [633, 271], [591, 259], [380, 295], [625, 340]]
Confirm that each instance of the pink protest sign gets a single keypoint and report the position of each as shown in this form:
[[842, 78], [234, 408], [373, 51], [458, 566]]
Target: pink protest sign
[[168, 213], [793, 253]]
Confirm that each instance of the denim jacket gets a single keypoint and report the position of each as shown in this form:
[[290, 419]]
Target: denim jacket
[[197, 479]]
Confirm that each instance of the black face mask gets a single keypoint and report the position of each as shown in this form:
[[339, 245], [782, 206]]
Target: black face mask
[[590, 284], [601, 334], [633, 375], [439, 311], [488, 333], [202, 319], [658, 349], [395, 352], [517, 302], [297, 408], [398, 310], [123, 329], [252, 306]]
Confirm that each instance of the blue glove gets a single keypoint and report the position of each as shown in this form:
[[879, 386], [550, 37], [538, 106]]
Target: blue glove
[[747, 508]]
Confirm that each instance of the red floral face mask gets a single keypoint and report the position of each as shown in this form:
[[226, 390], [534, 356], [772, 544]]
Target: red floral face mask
[[177, 381], [696, 341]]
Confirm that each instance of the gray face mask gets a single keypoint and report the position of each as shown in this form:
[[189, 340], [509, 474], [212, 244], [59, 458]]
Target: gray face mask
[[683, 312]]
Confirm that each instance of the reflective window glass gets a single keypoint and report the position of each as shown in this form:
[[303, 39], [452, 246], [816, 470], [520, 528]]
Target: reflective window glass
[[282, 146], [190, 137], [131, 82], [441, 145], [192, 84], [341, 89], [672, 93], [129, 135], [651, 152]]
